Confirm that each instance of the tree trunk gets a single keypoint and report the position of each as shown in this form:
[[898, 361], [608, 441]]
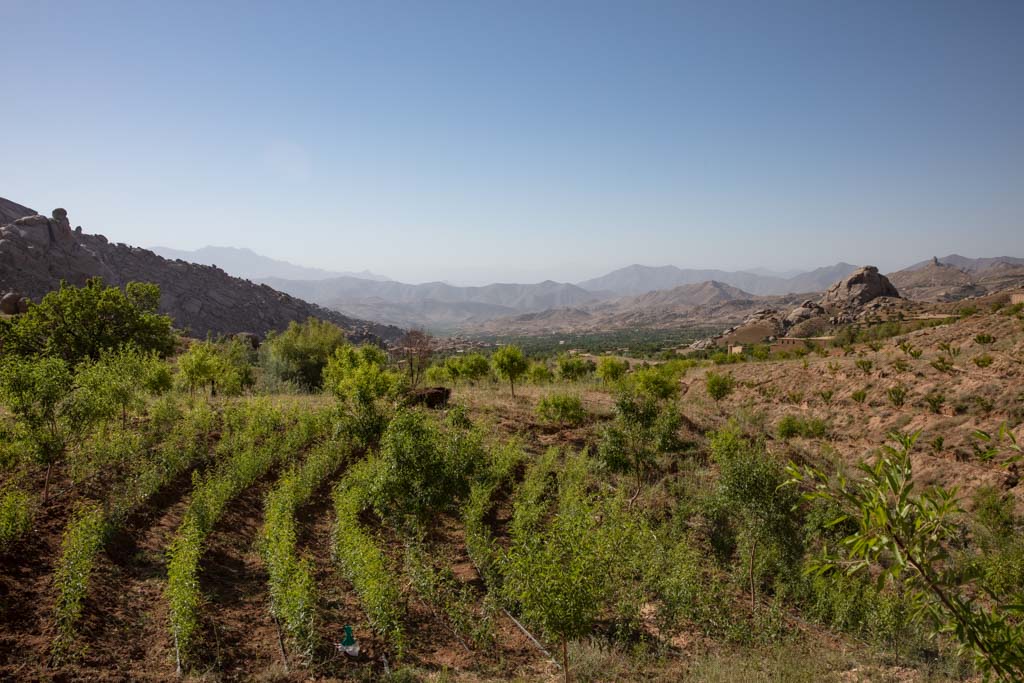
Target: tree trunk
[[565, 659], [753, 594], [46, 482], [512, 384]]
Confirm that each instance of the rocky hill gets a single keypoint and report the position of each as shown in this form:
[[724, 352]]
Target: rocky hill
[[957, 277], [37, 252]]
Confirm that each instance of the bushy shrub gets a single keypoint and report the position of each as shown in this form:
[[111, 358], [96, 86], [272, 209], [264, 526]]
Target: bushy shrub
[[422, 470], [983, 361], [794, 425], [225, 365], [643, 428], [573, 368], [360, 379], [300, 353], [539, 373], [611, 369], [562, 409], [17, 509], [719, 386]]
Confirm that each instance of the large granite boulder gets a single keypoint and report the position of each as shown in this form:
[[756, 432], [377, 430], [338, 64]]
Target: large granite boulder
[[860, 287]]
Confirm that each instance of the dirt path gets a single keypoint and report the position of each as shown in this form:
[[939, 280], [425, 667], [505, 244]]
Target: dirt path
[[27, 595], [126, 616]]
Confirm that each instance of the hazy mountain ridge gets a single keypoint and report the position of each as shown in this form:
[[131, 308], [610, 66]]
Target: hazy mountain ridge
[[638, 279], [246, 263], [433, 304]]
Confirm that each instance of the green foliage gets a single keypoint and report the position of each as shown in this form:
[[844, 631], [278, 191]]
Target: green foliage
[[114, 384], [864, 365], [299, 354], [539, 373], [935, 400], [483, 550], [573, 368], [474, 367], [49, 413], [942, 364], [719, 386], [611, 370], [217, 364], [905, 536], [749, 489], [558, 573], [562, 409], [983, 361], [897, 395], [362, 562], [660, 382], [859, 396], [457, 602], [82, 541], [422, 470], [293, 595], [984, 338], [359, 377], [642, 429], [255, 446], [510, 364], [17, 509], [794, 425], [76, 323]]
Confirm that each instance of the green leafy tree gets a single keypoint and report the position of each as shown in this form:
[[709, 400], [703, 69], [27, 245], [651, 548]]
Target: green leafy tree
[[572, 368], [300, 353], [643, 428], [116, 382], [223, 364], [474, 367], [79, 323], [359, 377], [510, 364], [40, 394], [750, 488], [906, 536], [559, 573], [539, 373]]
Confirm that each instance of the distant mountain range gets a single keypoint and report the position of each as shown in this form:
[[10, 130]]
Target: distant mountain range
[[434, 305], [637, 279], [246, 263]]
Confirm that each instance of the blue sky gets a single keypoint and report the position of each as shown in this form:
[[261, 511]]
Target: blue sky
[[487, 141]]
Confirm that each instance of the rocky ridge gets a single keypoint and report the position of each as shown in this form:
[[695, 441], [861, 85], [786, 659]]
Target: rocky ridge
[[37, 253]]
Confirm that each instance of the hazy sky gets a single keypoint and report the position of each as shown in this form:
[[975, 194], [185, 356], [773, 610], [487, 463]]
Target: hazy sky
[[484, 141]]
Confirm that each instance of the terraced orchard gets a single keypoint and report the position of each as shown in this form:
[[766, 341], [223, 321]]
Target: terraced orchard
[[218, 514]]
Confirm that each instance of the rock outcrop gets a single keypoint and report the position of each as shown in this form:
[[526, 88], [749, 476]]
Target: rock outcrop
[[860, 287], [37, 252]]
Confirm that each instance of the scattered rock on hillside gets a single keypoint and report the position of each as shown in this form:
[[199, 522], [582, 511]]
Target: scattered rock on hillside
[[9, 303]]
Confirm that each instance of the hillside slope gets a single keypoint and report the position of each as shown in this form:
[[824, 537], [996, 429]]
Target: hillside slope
[[37, 253], [246, 263]]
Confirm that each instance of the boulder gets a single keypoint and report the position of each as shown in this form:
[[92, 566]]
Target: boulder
[[431, 397], [857, 289], [804, 311], [23, 304], [9, 303]]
